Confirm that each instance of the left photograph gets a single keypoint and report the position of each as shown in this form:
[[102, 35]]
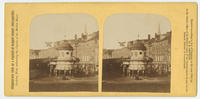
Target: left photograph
[[63, 55]]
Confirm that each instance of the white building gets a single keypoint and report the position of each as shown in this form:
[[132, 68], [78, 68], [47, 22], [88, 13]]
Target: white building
[[137, 62], [138, 55], [63, 65]]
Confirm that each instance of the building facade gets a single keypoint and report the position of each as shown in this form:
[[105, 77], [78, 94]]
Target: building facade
[[84, 50], [64, 63], [157, 53], [159, 49], [137, 62]]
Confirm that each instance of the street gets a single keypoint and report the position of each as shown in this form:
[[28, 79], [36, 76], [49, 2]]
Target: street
[[131, 85], [58, 85]]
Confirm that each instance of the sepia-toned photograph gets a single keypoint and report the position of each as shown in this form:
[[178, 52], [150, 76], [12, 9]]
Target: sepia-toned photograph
[[136, 53], [87, 49], [63, 53]]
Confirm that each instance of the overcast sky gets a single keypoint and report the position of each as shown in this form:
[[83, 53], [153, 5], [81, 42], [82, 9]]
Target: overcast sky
[[55, 27], [126, 27]]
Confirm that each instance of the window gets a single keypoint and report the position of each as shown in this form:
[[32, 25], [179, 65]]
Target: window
[[63, 54], [67, 53], [136, 54], [132, 54], [140, 53]]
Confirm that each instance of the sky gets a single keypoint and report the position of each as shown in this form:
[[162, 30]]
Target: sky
[[55, 27], [127, 27]]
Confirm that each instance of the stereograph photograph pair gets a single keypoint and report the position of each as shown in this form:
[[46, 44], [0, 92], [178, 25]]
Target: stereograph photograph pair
[[134, 49]]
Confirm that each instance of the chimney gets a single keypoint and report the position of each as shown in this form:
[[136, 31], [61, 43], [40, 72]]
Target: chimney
[[157, 36], [149, 36]]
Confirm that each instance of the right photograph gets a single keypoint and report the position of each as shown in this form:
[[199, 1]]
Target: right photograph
[[137, 53]]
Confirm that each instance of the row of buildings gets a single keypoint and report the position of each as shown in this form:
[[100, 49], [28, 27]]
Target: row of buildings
[[78, 56], [153, 53]]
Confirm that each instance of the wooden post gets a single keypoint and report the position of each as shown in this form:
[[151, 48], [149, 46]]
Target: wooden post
[[50, 70], [55, 72], [64, 72]]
